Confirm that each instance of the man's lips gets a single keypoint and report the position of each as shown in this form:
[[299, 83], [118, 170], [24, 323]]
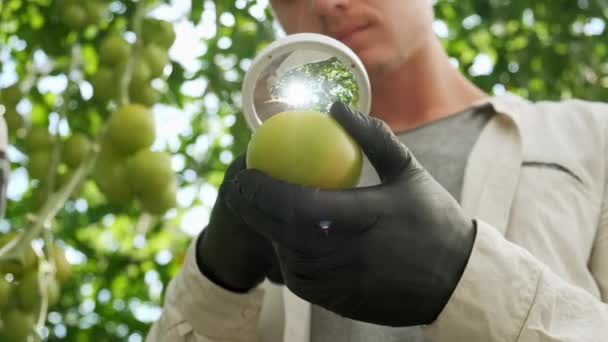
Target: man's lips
[[346, 34]]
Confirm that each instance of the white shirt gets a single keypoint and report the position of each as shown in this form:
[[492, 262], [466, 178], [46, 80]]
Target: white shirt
[[539, 266]]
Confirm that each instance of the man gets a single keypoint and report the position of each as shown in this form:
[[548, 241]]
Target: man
[[522, 257]]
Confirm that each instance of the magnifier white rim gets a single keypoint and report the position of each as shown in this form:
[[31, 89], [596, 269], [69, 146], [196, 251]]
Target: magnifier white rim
[[316, 42]]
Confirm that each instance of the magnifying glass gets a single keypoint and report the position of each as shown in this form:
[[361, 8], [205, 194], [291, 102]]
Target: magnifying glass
[[304, 71]]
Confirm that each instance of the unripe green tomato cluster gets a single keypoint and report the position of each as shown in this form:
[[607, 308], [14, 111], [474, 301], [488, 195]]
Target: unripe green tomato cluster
[[38, 145], [114, 51], [308, 148], [127, 169], [22, 292], [78, 14]]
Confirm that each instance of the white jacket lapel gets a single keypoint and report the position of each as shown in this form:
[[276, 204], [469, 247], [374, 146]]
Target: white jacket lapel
[[493, 167], [297, 317]]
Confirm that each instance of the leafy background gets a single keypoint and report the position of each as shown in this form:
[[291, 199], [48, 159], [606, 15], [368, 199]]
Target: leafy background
[[123, 259]]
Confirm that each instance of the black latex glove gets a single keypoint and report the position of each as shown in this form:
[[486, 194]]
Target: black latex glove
[[392, 254], [231, 254]]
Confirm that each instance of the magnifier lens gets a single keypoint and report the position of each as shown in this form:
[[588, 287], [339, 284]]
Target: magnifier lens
[[297, 74], [303, 72], [314, 85]]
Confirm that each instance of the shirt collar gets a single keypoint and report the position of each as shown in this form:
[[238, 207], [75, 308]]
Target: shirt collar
[[508, 104]]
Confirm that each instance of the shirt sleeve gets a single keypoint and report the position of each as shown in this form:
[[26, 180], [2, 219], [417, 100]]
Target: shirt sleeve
[[599, 256], [197, 310], [507, 295]]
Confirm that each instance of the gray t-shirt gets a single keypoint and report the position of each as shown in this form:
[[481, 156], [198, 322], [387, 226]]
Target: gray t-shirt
[[442, 147]]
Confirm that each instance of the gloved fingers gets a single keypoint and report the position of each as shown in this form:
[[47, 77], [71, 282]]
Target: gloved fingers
[[275, 275], [321, 280], [298, 217], [347, 211], [383, 149], [238, 164], [239, 201]]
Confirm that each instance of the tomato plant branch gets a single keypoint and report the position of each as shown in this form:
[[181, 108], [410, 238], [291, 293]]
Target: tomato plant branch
[[16, 249], [75, 63], [55, 202], [145, 220], [44, 278], [137, 19]]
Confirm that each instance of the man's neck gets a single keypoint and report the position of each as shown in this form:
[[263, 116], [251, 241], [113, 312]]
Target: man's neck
[[424, 89]]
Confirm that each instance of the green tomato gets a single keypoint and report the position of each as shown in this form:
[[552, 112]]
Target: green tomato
[[14, 120], [17, 267], [28, 291], [159, 32], [143, 94], [10, 96], [75, 149], [40, 195], [107, 152], [308, 148], [38, 164], [63, 268], [110, 175], [5, 292], [156, 58], [131, 128], [114, 49], [95, 11], [37, 138], [149, 172], [74, 16], [53, 292], [104, 84], [159, 203], [141, 74], [18, 325]]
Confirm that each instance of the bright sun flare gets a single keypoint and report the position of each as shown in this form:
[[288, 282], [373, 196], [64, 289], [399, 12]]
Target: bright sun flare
[[298, 93]]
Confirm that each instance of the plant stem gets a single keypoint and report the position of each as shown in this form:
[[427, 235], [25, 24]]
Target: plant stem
[[137, 18], [49, 210], [75, 62]]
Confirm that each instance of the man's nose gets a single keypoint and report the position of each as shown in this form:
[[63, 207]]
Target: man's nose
[[330, 7]]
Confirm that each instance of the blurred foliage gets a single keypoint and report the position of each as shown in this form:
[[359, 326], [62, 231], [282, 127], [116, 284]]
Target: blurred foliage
[[539, 50], [122, 257]]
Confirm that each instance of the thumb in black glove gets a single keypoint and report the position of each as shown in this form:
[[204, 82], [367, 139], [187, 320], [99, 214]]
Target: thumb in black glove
[[230, 253], [389, 254]]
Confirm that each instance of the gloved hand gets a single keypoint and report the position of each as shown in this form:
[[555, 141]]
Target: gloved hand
[[231, 254], [389, 254]]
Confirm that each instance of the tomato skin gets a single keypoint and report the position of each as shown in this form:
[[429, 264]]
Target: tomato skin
[[75, 149], [18, 325], [308, 148], [149, 171], [131, 128], [114, 50], [156, 58], [5, 293]]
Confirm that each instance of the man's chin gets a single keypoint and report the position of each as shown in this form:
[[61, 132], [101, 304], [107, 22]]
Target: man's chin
[[378, 64]]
